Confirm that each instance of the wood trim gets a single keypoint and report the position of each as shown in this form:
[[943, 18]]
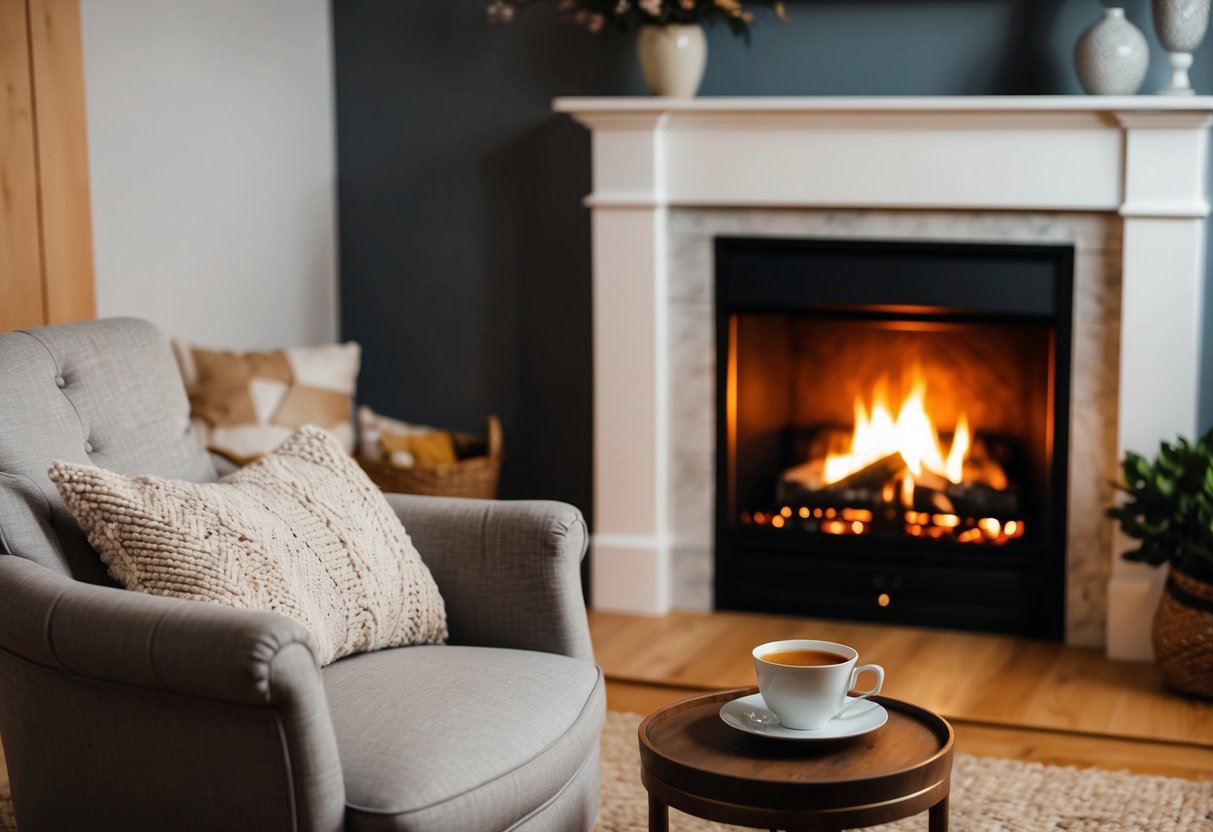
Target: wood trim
[[21, 299], [62, 136]]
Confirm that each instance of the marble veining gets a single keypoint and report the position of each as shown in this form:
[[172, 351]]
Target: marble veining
[[1095, 359]]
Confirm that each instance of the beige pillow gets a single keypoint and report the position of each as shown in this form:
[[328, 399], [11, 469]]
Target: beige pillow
[[245, 404], [301, 532]]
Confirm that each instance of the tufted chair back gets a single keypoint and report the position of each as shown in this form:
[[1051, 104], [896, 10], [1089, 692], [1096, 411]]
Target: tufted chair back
[[104, 393]]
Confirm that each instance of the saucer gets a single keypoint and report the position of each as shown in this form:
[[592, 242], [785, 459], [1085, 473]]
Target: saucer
[[750, 714]]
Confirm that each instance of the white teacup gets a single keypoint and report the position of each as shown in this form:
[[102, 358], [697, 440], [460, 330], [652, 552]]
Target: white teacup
[[807, 696]]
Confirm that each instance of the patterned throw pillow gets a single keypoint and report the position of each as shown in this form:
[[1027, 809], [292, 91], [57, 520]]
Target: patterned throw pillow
[[244, 404], [301, 532]]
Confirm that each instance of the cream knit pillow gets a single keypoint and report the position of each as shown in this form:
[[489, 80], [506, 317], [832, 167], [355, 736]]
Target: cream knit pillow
[[301, 532]]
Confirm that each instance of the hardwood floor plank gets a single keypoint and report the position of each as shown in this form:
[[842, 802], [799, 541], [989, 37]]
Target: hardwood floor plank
[[978, 678], [1084, 751]]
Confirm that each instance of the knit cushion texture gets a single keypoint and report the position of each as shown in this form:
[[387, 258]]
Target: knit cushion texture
[[302, 532]]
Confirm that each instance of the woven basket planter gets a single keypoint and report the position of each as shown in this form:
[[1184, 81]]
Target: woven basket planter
[[1183, 634], [474, 475]]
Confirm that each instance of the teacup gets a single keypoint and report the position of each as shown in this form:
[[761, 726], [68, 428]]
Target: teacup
[[805, 682]]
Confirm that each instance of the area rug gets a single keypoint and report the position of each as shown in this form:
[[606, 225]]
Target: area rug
[[988, 795]]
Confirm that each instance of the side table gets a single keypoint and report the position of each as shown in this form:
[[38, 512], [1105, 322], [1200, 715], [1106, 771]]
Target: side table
[[692, 761]]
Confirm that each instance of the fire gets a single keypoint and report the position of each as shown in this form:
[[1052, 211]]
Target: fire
[[892, 474], [911, 434]]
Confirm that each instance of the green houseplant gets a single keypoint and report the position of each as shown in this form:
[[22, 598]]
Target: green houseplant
[[1169, 510]]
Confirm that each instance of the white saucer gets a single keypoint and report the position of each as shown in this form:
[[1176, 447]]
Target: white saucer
[[750, 714]]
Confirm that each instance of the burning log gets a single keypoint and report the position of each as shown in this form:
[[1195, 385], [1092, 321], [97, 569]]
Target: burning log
[[982, 470], [872, 477], [877, 483], [980, 500], [805, 484]]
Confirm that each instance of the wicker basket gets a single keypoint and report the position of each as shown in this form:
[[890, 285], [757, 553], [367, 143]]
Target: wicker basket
[[1183, 634], [474, 475]]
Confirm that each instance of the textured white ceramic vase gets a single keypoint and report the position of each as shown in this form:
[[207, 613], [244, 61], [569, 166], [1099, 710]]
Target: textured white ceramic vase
[[672, 58], [1181, 26], [1112, 56]]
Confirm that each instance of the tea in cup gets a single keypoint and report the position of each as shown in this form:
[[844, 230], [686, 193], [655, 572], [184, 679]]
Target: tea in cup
[[805, 682]]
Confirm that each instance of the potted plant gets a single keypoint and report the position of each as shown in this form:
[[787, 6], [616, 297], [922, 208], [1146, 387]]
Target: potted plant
[[1170, 511], [671, 45]]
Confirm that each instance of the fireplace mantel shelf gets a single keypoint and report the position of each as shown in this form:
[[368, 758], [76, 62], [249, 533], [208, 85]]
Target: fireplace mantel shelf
[[890, 104], [1129, 154], [1144, 158]]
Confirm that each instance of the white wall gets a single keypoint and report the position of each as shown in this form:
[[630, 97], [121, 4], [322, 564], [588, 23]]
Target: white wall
[[213, 169]]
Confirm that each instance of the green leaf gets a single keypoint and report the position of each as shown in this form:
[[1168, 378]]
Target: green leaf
[[1168, 505], [1155, 528], [1135, 468], [1165, 485]]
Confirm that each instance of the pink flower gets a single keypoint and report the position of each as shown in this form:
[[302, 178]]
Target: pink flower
[[500, 12]]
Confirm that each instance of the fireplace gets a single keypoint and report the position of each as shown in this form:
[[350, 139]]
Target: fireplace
[[892, 431], [1121, 179]]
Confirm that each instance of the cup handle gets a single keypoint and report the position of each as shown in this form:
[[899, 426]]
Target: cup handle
[[875, 668]]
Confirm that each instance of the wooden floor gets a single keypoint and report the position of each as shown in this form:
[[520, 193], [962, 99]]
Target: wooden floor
[[1007, 697]]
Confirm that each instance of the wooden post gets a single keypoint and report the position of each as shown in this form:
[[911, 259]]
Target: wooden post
[[46, 243]]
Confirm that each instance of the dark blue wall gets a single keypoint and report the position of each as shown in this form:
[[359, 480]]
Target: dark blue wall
[[465, 264]]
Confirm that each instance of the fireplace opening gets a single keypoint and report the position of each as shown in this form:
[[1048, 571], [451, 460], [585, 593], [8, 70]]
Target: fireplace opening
[[892, 431]]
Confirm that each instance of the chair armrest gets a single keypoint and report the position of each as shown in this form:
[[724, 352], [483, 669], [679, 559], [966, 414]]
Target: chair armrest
[[205, 681], [132, 638], [509, 572]]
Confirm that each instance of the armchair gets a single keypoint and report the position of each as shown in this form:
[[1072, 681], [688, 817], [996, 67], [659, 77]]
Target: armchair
[[126, 711]]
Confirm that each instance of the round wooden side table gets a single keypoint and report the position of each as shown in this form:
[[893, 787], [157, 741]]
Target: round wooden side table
[[692, 761]]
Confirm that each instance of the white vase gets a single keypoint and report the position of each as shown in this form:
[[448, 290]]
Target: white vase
[[672, 58], [1181, 26], [1112, 56]]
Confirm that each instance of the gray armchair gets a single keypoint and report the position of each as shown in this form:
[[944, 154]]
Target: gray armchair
[[126, 711]]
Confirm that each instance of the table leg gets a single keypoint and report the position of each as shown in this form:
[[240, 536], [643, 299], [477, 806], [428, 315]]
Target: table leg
[[939, 817], [659, 816]]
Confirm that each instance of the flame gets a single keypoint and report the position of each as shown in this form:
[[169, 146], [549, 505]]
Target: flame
[[954, 466], [911, 434]]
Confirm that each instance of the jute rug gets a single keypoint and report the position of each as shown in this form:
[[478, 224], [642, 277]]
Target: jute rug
[[988, 795]]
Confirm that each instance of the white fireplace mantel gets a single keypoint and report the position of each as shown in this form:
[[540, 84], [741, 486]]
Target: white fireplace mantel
[[1143, 158]]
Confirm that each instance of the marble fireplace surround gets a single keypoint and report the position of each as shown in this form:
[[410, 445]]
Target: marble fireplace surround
[[1122, 179]]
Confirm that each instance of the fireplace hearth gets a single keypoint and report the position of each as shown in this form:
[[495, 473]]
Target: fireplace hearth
[[892, 431]]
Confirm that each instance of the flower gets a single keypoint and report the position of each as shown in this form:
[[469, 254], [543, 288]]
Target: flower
[[501, 12], [627, 15]]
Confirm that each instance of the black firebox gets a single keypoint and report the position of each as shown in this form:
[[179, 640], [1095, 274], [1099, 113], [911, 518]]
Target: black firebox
[[892, 431]]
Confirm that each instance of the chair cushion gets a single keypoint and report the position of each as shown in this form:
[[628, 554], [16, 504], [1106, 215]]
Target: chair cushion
[[445, 738]]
